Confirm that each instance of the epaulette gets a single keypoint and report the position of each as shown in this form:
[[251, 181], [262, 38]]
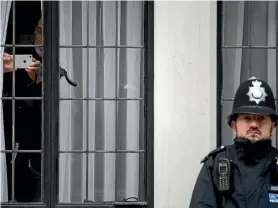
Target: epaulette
[[214, 152]]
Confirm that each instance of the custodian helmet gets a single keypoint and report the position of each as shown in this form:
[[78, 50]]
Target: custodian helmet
[[254, 96]]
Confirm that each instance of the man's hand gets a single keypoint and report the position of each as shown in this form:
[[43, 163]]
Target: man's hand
[[7, 63], [31, 70]]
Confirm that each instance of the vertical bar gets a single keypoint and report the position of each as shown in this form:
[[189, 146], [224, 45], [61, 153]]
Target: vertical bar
[[13, 107], [276, 32], [42, 114], [51, 99], [116, 94], [271, 54], [87, 101], [149, 98], [219, 73], [143, 195], [249, 36]]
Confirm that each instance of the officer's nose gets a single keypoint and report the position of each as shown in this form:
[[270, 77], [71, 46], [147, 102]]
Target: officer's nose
[[254, 123]]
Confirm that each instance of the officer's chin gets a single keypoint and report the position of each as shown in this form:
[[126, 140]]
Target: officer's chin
[[254, 137]]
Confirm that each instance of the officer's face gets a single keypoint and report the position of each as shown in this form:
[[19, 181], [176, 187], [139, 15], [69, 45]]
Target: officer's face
[[253, 127]]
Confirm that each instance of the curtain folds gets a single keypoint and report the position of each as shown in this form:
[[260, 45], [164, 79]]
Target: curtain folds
[[105, 72]]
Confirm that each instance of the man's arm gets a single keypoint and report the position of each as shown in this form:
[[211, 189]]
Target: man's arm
[[204, 194]]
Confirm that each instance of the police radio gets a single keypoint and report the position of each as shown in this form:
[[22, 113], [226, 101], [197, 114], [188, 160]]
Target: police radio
[[224, 171]]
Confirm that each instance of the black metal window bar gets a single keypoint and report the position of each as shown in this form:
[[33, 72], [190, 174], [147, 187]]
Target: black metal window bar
[[219, 74], [50, 112], [220, 48]]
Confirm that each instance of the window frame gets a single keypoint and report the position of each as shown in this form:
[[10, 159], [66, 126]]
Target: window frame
[[219, 74], [51, 101]]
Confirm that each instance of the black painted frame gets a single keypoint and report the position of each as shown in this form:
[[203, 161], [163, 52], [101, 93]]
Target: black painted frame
[[219, 74]]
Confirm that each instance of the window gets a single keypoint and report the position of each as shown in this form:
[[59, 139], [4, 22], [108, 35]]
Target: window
[[96, 142], [248, 48]]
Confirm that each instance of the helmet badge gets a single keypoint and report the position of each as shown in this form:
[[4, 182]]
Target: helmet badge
[[256, 92]]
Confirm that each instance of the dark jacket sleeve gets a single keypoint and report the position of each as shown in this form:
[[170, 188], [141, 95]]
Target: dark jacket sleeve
[[204, 193], [24, 86]]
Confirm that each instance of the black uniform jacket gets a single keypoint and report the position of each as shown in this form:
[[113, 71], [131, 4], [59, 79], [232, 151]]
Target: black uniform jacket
[[252, 168]]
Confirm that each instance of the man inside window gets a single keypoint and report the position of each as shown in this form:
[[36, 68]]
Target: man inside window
[[244, 174], [27, 117]]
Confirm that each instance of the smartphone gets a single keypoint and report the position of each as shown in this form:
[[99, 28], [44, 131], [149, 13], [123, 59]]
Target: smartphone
[[22, 61]]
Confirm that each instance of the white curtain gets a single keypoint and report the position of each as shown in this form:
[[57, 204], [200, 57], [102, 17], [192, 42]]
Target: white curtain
[[103, 125], [5, 10], [247, 24]]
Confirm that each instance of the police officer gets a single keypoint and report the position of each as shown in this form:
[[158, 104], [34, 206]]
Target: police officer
[[243, 174]]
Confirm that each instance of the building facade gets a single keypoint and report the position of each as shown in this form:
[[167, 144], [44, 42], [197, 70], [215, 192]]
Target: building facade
[[155, 82], [209, 49]]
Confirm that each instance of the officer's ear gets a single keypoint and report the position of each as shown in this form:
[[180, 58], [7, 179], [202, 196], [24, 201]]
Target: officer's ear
[[273, 125], [233, 125], [272, 129]]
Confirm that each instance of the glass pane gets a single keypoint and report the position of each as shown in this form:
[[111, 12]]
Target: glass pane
[[101, 126], [94, 71], [107, 23], [130, 73], [241, 64], [130, 125], [130, 180], [101, 177], [130, 23], [102, 18], [249, 23], [102, 118], [98, 71], [232, 13], [22, 101]]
